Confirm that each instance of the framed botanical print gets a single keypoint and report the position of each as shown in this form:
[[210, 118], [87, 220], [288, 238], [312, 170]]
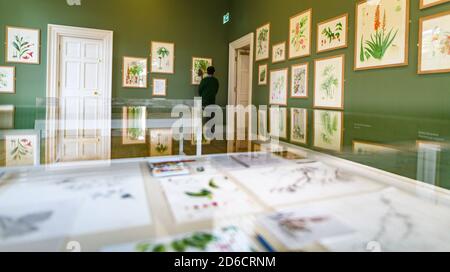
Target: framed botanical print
[[22, 45], [300, 26], [299, 125], [278, 87], [278, 122], [382, 33], [134, 125], [328, 130], [332, 34], [299, 80], [7, 113], [199, 69], [262, 74], [329, 82], [431, 3], [163, 58], [368, 148], [7, 79], [134, 72], [262, 125], [434, 44], [161, 142], [279, 52], [159, 87], [22, 148], [262, 42]]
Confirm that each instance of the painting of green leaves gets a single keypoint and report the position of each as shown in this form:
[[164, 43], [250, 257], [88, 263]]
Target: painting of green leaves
[[328, 129], [22, 150], [7, 79], [329, 83], [381, 34], [22, 45], [300, 34], [279, 52], [299, 125], [278, 87], [262, 42], [332, 34], [163, 58], [134, 72], [134, 125], [199, 69], [160, 142]]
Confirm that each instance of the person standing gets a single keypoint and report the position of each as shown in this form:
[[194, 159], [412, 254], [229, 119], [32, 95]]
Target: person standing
[[208, 89]]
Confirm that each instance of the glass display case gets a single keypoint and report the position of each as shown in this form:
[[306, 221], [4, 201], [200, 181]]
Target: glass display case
[[134, 181]]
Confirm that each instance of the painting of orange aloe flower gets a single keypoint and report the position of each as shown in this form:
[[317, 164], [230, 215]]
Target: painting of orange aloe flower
[[381, 34]]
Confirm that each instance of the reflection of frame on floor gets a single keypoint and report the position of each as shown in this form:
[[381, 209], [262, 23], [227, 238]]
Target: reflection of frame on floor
[[134, 126], [161, 143], [7, 113], [370, 148], [22, 148], [194, 132], [429, 161]]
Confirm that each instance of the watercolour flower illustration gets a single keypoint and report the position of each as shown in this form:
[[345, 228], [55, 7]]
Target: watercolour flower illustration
[[20, 149], [299, 39], [299, 82], [329, 125], [162, 54], [380, 41], [263, 38], [330, 83], [22, 48]]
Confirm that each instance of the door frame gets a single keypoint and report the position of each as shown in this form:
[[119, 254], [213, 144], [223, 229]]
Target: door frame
[[54, 34], [244, 41]]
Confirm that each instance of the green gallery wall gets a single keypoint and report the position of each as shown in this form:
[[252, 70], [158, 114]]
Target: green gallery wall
[[195, 26]]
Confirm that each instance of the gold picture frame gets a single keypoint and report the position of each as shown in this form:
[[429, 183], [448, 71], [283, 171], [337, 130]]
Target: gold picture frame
[[152, 60], [268, 25], [309, 44], [266, 69], [341, 132], [438, 2], [194, 73], [341, 106], [305, 64], [124, 84], [274, 55], [154, 91], [286, 71]]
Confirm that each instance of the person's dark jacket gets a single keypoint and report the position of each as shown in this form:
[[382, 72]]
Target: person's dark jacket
[[208, 89]]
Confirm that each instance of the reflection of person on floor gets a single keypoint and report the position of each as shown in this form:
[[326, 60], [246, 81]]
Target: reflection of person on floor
[[208, 89]]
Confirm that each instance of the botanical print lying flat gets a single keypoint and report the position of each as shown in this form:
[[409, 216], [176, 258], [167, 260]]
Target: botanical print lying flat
[[116, 192], [296, 228], [22, 150], [161, 142], [289, 184], [226, 239], [23, 224], [204, 197], [390, 221], [434, 46], [381, 34]]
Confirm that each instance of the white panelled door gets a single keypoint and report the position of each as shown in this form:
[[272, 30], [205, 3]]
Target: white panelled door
[[82, 108]]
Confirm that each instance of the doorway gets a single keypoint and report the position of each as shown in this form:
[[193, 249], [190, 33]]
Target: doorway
[[240, 88], [79, 86]]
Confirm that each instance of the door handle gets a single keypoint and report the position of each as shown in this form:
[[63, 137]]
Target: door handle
[[96, 93]]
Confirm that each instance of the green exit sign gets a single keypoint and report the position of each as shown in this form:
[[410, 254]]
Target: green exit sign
[[226, 18]]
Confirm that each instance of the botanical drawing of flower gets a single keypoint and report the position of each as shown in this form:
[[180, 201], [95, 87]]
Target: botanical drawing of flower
[[21, 148], [279, 53], [135, 73], [299, 82], [197, 241], [263, 37], [332, 34], [440, 42], [279, 87], [329, 125], [22, 48], [162, 54], [380, 41], [330, 82], [299, 133], [135, 129], [299, 39], [3, 81], [262, 75]]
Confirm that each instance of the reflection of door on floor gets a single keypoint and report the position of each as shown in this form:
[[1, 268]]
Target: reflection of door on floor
[[82, 108], [242, 96]]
